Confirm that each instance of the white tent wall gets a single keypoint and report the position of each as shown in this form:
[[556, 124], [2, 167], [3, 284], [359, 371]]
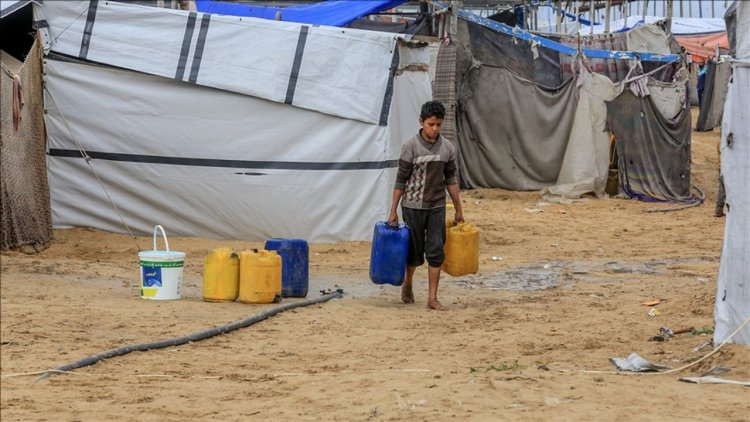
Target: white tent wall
[[343, 72], [733, 286], [135, 125]]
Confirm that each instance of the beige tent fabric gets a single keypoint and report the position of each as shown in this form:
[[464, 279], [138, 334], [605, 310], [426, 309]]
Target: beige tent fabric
[[24, 192], [669, 97], [586, 163], [648, 38]]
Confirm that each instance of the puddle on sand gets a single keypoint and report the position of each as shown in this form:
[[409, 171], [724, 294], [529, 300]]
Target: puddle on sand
[[551, 274], [526, 278]]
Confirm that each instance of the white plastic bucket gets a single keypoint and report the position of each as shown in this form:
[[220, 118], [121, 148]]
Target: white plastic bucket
[[161, 271]]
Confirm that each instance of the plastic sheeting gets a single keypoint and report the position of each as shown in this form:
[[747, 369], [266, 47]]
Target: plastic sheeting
[[332, 13], [342, 72], [236, 168], [733, 289], [703, 47], [653, 152], [680, 26]]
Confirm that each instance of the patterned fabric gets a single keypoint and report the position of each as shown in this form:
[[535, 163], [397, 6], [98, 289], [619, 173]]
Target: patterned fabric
[[424, 171], [444, 89], [24, 192]]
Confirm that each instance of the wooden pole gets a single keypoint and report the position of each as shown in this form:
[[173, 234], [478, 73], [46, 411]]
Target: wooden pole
[[669, 16], [606, 17]]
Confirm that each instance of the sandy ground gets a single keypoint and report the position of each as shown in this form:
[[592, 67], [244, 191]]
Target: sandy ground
[[559, 293]]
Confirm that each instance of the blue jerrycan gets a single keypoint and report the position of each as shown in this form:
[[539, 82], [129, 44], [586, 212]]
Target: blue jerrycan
[[390, 248], [294, 265]]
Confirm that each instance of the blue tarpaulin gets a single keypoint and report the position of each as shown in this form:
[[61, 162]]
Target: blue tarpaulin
[[331, 12]]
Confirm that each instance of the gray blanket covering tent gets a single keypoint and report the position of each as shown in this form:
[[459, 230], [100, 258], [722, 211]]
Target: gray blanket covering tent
[[530, 118]]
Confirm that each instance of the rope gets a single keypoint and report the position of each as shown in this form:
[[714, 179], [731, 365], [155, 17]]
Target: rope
[[712, 352], [86, 156], [201, 335], [671, 370]]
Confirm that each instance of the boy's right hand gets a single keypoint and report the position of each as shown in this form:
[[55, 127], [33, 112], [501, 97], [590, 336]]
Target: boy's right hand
[[393, 219]]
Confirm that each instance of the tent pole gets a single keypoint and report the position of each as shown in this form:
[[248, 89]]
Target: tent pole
[[559, 16], [682, 12], [606, 17], [713, 11], [456, 5], [669, 17], [690, 8], [591, 12], [654, 7], [645, 10], [578, 23]]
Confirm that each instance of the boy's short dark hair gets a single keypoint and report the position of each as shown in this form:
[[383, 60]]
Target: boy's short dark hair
[[432, 109]]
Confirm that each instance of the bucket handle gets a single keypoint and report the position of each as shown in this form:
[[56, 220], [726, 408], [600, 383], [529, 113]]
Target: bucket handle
[[164, 235]]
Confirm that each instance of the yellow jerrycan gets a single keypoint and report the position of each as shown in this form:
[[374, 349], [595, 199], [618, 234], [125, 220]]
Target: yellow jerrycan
[[260, 276], [461, 249], [221, 276]]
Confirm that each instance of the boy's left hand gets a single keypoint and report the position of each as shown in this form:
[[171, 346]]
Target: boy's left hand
[[459, 218]]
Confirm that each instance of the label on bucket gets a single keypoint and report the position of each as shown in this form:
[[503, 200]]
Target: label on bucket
[[161, 280]]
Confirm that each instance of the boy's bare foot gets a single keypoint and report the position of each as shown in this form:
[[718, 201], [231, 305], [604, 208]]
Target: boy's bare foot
[[434, 304], [406, 293]]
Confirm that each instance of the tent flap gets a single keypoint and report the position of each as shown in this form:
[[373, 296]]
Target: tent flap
[[653, 151], [342, 72]]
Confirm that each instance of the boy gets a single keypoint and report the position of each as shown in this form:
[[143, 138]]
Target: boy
[[427, 167]]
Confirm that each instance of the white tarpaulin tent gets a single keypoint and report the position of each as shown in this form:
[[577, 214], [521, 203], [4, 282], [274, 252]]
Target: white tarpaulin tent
[[733, 287], [301, 138]]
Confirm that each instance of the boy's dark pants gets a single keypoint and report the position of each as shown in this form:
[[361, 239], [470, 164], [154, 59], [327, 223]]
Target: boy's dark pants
[[427, 236]]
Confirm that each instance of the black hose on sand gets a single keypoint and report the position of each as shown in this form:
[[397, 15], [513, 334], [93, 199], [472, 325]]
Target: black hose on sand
[[201, 335]]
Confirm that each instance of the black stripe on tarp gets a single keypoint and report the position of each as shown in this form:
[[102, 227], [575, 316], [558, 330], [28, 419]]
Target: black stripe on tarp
[[15, 7], [297, 63], [238, 164], [186, 39], [88, 29], [198, 54], [386, 108]]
